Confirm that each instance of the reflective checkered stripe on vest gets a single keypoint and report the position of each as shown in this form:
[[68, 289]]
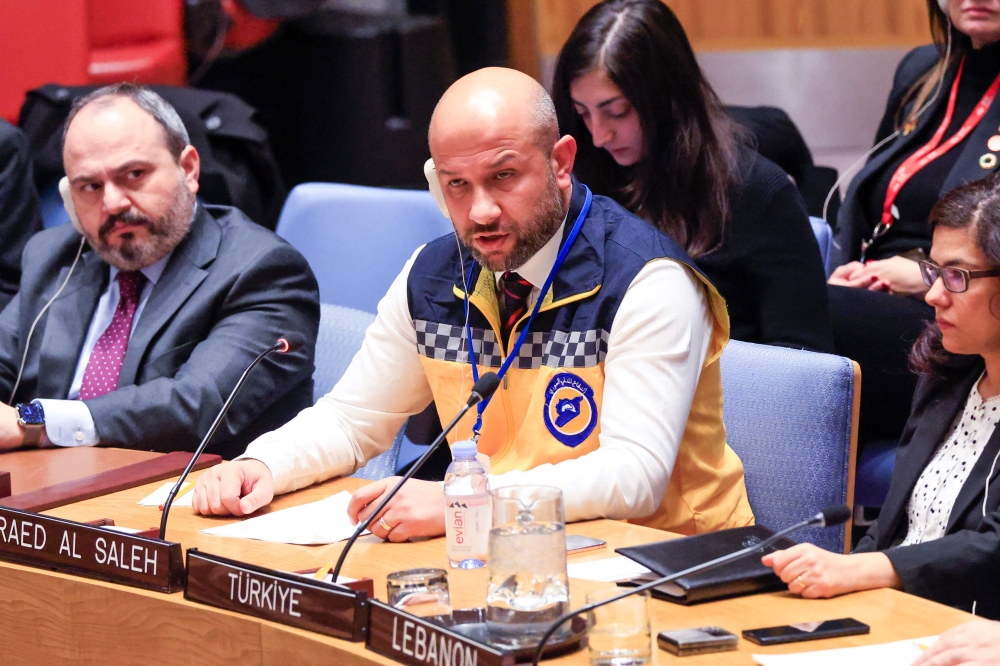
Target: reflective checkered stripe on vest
[[548, 407]]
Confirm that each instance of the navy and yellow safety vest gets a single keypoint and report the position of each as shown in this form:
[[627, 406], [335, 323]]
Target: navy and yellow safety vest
[[548, 407]]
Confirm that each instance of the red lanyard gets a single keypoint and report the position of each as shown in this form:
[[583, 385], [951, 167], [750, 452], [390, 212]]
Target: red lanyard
[[930, 152]]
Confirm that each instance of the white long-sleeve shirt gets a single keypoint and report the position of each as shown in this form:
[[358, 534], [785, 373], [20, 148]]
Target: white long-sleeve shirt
[[656, 349]]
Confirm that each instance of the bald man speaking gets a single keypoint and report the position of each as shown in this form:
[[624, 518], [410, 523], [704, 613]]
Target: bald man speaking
[[614, 395]]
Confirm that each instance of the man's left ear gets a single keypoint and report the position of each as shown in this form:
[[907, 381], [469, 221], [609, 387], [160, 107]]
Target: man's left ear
[[563, 158], [190, 163]]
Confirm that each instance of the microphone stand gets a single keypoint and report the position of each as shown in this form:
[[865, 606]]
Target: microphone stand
[[818, 519], [281, 345], [474, 399]]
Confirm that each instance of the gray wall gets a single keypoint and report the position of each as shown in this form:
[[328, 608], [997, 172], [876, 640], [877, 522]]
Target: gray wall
[[835, 96]]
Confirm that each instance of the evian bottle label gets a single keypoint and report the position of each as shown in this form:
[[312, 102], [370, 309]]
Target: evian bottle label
[[468, 526]]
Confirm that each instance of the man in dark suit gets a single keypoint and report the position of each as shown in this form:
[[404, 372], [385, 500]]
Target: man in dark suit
[[168, 302], [20, 216]]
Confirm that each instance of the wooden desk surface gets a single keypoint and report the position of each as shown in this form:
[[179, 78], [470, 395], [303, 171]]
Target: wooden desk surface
[[62, 618], [32, 469]]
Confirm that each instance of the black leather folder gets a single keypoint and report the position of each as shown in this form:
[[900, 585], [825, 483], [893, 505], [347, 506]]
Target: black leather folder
[[743, 576]]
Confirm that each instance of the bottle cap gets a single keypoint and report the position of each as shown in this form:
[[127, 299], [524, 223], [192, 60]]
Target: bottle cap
[[464, 449]]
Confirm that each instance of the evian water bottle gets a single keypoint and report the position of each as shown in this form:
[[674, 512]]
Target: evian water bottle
[[467, 508]]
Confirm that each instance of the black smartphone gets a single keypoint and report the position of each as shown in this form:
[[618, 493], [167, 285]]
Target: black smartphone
[[806, 631]]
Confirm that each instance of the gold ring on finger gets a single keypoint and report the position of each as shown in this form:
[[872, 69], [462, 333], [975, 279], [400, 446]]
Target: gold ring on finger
[[386, 526]]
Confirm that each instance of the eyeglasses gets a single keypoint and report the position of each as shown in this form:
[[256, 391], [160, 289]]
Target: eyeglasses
[[956, 280]]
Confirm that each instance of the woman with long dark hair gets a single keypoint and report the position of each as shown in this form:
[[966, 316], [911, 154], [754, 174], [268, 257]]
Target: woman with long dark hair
[[938, 534], [940, 129], [653, 135]]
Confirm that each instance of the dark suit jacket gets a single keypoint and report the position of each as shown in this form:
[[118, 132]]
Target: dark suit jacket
[[964, 565], [229, 290], [20, 216], [852, 228]]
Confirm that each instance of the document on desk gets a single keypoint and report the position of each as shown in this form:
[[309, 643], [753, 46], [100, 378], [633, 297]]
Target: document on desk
[[607, 570], [312, 524], [899, 653], [159, 496]]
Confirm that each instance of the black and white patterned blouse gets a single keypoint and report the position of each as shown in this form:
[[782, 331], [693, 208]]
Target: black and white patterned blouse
[[937, 488]]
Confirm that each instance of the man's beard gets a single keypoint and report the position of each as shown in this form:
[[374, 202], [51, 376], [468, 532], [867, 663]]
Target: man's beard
[[530, 236], [164, 234]]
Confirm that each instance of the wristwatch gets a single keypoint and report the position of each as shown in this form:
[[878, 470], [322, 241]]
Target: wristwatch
[[31, 417]]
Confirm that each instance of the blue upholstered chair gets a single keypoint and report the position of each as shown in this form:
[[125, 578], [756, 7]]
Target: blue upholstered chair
[[825, 239], [356, 239], [875, 464], [341, 331], [791, 416]]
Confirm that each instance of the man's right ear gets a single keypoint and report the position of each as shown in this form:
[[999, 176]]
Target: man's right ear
[[67, 198], [435, 187]]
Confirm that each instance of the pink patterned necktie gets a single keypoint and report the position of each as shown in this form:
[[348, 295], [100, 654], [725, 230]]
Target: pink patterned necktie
[[105, 364]]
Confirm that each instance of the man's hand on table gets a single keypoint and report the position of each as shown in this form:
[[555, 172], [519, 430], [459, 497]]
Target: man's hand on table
[[417, 510], [11, 434], [975, 643], [235, 488]]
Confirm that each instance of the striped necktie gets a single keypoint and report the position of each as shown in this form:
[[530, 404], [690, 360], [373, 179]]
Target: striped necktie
[[515, 302]]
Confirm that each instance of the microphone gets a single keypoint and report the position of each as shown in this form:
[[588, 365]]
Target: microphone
[[828, 517], [287, 343], [481, 390]]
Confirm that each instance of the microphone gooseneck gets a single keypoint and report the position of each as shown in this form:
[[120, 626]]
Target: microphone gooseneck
[[284, 344], [481, 390], [830, 516]]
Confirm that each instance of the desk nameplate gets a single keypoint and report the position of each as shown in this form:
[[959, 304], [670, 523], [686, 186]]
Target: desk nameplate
[[4, 484], [411, 640], [278, 596], [86, 550]]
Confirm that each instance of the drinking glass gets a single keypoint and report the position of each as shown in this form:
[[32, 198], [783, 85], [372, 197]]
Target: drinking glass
[[528, 585], [422, 592], [618, 634]]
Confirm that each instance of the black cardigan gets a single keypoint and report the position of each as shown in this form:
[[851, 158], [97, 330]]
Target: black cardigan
[[962, 566], [769, 267]]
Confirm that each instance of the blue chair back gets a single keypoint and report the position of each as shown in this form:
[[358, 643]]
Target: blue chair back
[[791, 415], [341, 332], [825, 239], [356, 239]]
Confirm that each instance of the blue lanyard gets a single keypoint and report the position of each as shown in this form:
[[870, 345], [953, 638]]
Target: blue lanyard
[[563, 252]]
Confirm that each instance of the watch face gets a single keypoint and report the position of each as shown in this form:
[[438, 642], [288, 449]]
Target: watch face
[[31, 414]]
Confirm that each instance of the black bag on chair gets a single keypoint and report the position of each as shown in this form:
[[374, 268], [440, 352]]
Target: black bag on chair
[[237, 166]]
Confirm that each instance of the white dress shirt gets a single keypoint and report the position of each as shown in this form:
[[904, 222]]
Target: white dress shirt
[[936, 490], [68, 422], [656, 349]]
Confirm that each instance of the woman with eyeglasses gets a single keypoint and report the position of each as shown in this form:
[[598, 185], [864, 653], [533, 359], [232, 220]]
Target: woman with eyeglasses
[[652, 134], [938, 534], [939, 130]]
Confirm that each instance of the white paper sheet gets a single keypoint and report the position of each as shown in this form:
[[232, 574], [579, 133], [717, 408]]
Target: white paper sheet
[[316, 523], [159, 496], [900, 653], [608, 570]]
